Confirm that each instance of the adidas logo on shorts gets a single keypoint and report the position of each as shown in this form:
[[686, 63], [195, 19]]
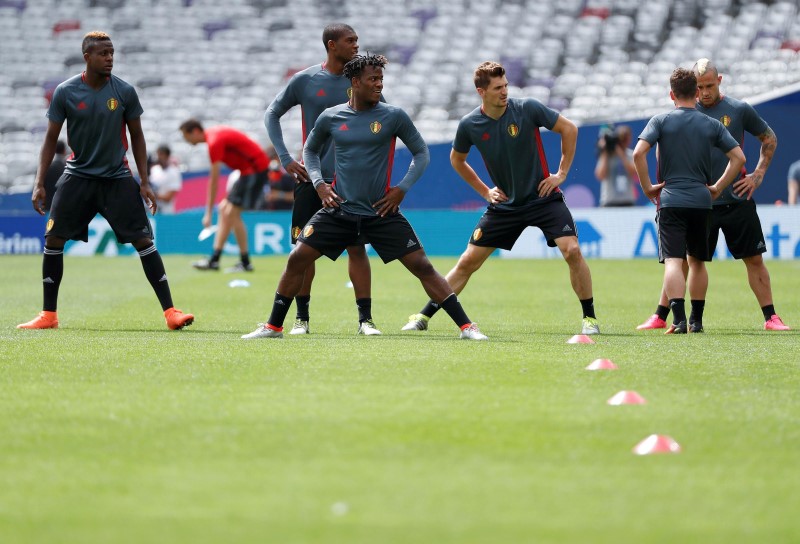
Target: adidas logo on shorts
[[566, 228], [411, 243]]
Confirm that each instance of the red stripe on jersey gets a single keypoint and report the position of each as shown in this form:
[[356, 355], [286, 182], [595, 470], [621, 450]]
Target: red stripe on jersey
[[303, 121], [657, 199], [542, 156], [391, 163]]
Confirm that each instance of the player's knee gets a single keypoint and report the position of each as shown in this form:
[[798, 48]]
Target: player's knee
[[357, 252], [572, 251]]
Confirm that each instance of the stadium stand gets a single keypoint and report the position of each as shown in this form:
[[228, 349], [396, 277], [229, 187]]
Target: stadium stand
[[594, 60]]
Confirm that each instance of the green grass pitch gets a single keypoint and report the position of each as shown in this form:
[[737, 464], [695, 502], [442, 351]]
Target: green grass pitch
[[114, 429]]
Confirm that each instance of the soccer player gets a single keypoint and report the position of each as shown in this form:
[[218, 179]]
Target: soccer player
[[97, 107], [734, 212], [238, 151], [506, 132], [362, 203], [685, 138], [316, 89]]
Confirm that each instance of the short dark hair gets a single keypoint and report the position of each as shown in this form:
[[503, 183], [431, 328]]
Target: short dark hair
[[334, 31], [92, 38], [164, 148], [683, 83], [190, 125], [486, 71], [356, 66]]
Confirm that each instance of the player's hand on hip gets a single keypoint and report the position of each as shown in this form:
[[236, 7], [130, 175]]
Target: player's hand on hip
[[496, 196], [150, 199], [550, 183], [714, 190], [652, 191], [298, 172], [746, 186], [38, 199], [390, 203], [328, 197]]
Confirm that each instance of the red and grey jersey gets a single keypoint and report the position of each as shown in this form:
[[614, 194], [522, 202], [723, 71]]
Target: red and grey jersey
[[364, 144], [314, 89], [96, 125], [511, 147], [737, 117]]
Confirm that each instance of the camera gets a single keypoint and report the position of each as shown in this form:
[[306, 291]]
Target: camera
[[609, 139]]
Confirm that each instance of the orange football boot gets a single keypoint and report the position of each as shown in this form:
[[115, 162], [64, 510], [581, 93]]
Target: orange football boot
[[176, 319], [45, 320]]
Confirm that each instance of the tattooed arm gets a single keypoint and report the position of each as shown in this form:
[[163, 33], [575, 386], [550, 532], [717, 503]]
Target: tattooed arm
[[748, 184]]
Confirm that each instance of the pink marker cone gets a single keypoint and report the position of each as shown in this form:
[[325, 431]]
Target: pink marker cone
[[580, 339], [601, 364], [626, 397], [657, 443]]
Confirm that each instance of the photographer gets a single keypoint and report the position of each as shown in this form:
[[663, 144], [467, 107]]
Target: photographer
[[615, 170]]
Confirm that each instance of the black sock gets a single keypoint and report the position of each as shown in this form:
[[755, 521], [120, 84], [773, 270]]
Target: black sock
[[662, 312], [302, 307], [588, 307], [280, 307], [452, 306], [430, 308], [769, 311], [678, 310], [364, 306], [156, 275], [697, 311], [52, 272], [245, 257], [215, 256]]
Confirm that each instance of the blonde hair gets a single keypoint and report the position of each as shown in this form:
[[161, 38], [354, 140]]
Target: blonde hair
[[702, 66]]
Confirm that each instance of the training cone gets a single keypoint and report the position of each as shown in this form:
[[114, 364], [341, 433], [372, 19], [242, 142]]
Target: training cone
[[580, 339], [601, 364], [657, 443], [626, 397]]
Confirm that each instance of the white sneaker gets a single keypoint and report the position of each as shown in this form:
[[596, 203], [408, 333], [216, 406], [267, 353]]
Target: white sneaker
[[472, 332], [368, 328], [263, 332], [416, 322], [590, 326], [300, 327]]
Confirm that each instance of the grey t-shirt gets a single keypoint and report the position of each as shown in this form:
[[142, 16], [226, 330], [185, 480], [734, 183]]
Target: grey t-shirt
[[511, 147], [686, 138], [738, 117], [364, 143], [617, 186], [96, 125]]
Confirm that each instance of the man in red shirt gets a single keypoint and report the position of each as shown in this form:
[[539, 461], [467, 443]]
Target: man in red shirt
[[238, 151]]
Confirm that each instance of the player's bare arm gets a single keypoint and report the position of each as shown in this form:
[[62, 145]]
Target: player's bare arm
[[569, 138], [459, 163], [45, 158], [640, 162], [735, 163], [139, 148], [213, 181], [748, 184]]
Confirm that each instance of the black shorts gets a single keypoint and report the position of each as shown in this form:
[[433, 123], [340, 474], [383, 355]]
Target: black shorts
[[742, 229], [501, 228], [306, 204], [683, 231], [331, 230], [248, 191], [78, 200]]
